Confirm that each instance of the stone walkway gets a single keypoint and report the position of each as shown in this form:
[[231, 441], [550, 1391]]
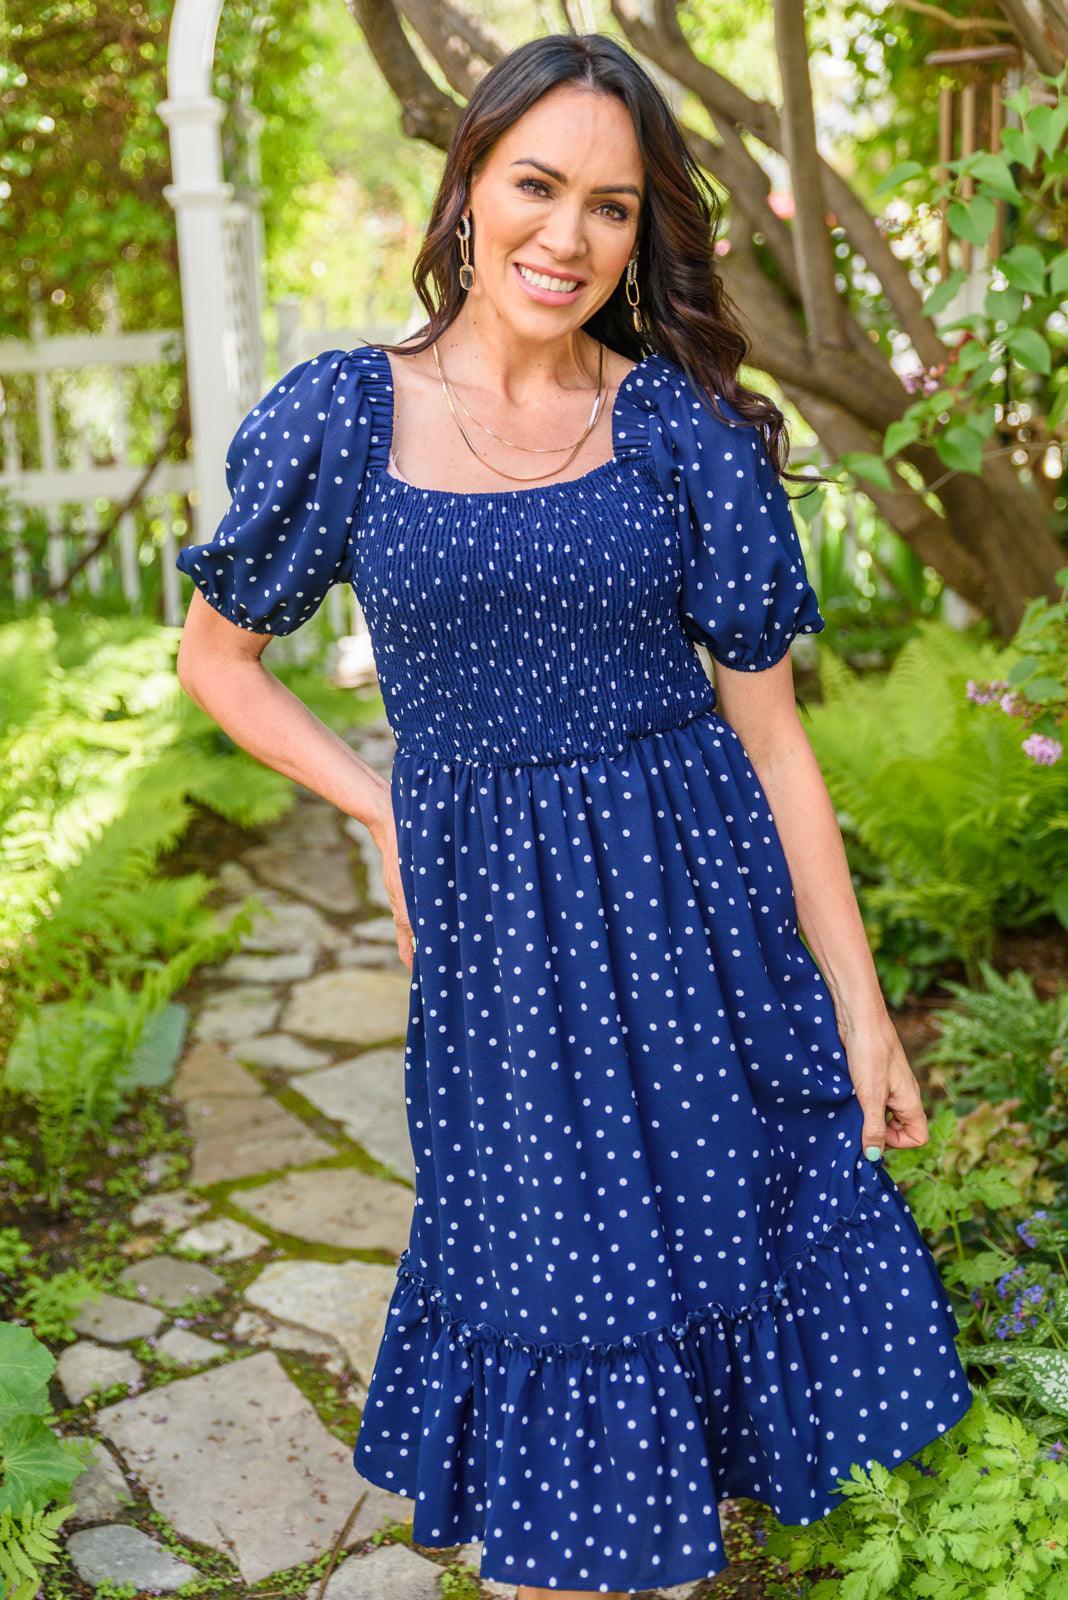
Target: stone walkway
[[259, 1287]]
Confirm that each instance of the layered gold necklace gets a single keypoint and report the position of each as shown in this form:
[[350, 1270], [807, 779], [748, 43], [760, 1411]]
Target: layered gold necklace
[[529, 449]]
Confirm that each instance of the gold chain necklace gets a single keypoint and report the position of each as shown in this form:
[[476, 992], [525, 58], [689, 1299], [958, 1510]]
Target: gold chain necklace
[[516, 477], [527, 449]]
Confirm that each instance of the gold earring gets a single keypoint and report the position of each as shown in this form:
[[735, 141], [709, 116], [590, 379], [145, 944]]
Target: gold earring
[[467, 271], [632, 300]]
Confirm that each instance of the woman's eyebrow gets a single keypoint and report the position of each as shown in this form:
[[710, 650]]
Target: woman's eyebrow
[[602, 188]]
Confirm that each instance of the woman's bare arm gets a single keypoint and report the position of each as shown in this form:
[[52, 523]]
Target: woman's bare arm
[[219, 667], [760, 708]]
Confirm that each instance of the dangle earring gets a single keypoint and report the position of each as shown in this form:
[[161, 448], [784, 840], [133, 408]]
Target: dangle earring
[[632, 300], [467, 271]]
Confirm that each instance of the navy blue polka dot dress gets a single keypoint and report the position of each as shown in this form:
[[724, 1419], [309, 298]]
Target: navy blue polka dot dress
[[649, 1266]]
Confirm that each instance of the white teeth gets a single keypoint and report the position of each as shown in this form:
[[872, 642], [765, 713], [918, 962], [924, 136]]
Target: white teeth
[[544, 282]]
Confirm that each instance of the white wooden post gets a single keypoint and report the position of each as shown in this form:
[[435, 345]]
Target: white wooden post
[[217, 365], [56, 554], [200, 198], [22, 576], [253, 287]]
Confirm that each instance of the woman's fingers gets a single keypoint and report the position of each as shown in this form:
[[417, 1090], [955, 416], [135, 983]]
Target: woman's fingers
[[889, 1095], [394, 889], [907, 1127], [871, 1089]]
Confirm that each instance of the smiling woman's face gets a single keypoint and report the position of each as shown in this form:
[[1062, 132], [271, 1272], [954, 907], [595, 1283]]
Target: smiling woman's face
[[557, 199]]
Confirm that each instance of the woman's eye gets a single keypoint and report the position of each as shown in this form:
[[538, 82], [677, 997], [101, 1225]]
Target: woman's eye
[[619, 213]]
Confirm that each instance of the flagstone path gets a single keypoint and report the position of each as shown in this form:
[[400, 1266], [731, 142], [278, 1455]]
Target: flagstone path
[[258, 1287]]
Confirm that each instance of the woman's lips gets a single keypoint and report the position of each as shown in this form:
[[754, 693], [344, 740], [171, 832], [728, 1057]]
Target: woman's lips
[[548, 297]]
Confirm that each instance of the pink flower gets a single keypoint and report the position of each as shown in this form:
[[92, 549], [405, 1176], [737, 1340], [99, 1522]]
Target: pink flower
[[1044, 749], [985, 694]]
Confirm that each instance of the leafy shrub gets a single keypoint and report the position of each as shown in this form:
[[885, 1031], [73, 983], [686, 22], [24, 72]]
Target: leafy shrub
[[980, 1513], [1003, 1042], [102, 759], [36, 1468], [964, 834], [1012, 344]]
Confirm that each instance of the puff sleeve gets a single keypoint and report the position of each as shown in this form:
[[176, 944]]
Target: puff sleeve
[[745, 592], [294, 470]]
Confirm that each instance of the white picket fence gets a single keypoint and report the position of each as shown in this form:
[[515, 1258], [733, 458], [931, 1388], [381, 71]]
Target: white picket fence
[[70, 464]]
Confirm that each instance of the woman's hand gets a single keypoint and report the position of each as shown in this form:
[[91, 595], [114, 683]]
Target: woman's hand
[[385, 837], [885, 1083]]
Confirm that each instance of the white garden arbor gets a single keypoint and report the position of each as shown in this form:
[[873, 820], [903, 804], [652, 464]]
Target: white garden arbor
[[220, 254]]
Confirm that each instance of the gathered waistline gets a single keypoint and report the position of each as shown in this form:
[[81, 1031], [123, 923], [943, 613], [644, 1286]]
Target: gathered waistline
[[557, 758]]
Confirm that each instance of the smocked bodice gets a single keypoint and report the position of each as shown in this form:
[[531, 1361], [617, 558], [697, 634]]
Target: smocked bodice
[[532, 625]]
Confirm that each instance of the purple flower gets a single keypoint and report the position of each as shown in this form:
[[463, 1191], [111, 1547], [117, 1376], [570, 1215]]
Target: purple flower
[[1002, 1285], [1043, 748], [984, 694], [1028, 1238], [1056, 1450]]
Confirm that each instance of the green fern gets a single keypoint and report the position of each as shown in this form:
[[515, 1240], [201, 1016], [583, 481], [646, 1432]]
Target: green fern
[[76, 1058], [1004, 1041], [103, 760], [969, 835], [28, 1543]]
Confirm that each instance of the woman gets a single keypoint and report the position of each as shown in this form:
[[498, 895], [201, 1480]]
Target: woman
[[652, 1263]]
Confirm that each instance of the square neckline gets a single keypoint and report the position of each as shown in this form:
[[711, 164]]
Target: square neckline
[[604, 467]]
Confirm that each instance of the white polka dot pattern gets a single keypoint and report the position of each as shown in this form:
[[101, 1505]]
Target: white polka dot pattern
[[648, 1266]]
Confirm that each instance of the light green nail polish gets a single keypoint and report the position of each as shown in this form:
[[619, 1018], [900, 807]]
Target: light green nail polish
[[873, 1152]]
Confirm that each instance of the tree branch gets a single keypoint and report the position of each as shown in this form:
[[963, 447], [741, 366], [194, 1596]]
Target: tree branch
[[1035, 41], [746, 182], [667, 46], [426, 113], [868, 388], [463, 46], [815, 259], [904, 510], [948, 20], [1058, 19]]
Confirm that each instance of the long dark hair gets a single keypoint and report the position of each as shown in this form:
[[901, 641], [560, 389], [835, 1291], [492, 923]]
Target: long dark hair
[[685, 309]]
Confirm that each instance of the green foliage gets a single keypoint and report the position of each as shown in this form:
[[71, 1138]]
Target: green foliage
[[102, 757], [460, 1583], [981, 1513], [85, 155], [1035, 688], [1003, 1042], [1012, 350], [50, 1301], [46, 1300], [988, 1188], [983, 1193], [36, 1468], [28, 1543], [966, 835]]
